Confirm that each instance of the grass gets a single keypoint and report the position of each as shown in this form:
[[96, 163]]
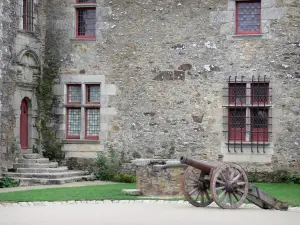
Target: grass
[[284, 192]]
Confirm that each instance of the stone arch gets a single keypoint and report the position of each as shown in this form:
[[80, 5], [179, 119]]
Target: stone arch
[[28, 66]]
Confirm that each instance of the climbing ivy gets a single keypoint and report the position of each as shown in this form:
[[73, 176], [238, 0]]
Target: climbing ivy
[[47, 141]]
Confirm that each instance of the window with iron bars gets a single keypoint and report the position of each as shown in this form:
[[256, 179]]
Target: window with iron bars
[[86, 19], [247, 113], [89, 105], [28, 15]]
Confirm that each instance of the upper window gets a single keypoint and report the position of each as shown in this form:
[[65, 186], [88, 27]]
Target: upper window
[[86, 19], [28, 15], [248, 17]]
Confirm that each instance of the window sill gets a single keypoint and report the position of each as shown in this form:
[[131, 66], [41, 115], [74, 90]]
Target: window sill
[[246, 36], [247, 143], [28, 33], [83, 39], [85, 5], [82, 105], [247, 105], [80, 141]]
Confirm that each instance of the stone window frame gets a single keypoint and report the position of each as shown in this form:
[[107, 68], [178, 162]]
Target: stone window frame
[[84, 6], [248, 105], [84, 106], [236, 18]]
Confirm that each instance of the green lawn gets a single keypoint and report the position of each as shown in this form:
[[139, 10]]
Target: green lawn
[[284, 192]]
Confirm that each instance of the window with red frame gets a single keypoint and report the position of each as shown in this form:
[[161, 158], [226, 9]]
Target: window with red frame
[[28, 15], [237, 93], [237, 124], [92, 123], [253, 103], [86, 19], [93, 93], [74, 94], [248, 17], [73, 123]]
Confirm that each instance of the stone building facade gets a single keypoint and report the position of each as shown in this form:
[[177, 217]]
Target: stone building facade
[[164, 70]]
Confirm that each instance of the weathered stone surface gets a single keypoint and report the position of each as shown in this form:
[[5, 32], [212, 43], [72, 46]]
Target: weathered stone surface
[[185, 67], [197, 118], [134, 192], [164, 75]]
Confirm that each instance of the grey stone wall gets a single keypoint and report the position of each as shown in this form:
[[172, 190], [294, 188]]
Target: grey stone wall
[[161, 110], [17, 75]]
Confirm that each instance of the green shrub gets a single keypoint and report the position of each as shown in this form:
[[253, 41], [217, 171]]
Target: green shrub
[[277, 176], [6, 182], [124, 178], [108, 166]]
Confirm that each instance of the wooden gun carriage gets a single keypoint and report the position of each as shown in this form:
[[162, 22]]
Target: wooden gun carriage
[[225, 184]]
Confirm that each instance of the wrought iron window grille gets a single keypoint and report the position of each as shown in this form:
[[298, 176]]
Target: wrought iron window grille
[[247, 116]]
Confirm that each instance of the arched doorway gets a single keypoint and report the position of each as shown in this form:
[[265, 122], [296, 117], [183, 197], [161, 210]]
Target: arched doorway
[[24, 124]]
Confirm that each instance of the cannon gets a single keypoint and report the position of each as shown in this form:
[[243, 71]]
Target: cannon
[[226, 184]]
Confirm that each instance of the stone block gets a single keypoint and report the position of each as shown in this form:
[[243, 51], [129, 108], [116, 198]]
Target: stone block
[[179, 75], [164, 75], [133, 192], [273, 13]]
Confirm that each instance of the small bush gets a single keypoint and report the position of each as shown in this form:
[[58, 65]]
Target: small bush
[[277, 176], [108, 167], [6, 182], [124, 178]]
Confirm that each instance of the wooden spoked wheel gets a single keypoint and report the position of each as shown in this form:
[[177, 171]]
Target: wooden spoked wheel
[[229, 186], [196, 187]]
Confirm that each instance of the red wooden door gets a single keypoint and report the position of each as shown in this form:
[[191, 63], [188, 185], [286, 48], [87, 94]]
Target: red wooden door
[[24, 125]]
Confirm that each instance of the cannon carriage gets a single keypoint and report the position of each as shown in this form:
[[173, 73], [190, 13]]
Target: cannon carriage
[[226, 184]]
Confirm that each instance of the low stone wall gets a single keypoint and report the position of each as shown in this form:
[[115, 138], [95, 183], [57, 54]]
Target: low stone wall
[[159, 177]]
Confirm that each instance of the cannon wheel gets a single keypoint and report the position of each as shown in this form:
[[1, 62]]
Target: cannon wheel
[[196, 188], [229, 186]]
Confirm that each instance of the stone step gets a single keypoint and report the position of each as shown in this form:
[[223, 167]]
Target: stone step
[[48, 175], [41, 160], [42, 170], [39, 181], [35, 165], [32, 156]]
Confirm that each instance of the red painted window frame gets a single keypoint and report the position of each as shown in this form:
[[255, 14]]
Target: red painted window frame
[[268, 93], [25, 15], [235, 133], [84, 8], [231, 85], [67, 124], [68, 92], [86, 125], [236, 18], [259, 134], [78, 2], [87, 93]]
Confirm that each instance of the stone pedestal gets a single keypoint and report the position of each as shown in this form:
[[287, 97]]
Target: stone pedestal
[[159, 177]]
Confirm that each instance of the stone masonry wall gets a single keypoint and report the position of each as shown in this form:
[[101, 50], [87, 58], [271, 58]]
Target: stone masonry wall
[[14, 43], [170, 59]]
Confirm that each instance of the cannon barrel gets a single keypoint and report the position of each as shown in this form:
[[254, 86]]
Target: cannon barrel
[[198, 164]]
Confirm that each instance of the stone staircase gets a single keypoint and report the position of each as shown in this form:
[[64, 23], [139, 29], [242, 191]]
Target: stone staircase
[[31, 169]]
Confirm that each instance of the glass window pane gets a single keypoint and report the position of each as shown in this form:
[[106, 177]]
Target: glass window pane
[[93, 93], [248, 17], [74, 93], [237, 93], [74, 122], [238, 117], [86, 22], [93, 122], [260, 93], [260, 118]]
